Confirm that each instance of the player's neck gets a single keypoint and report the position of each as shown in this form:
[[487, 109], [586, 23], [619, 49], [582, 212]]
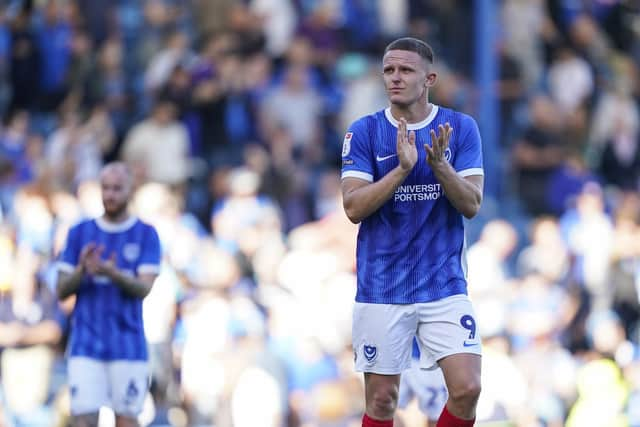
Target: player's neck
[[116, 219], [412, 113]]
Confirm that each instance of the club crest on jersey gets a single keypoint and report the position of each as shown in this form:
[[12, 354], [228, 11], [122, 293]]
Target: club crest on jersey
[[131, 251], [370, 353], [346, 144], [447, 154]]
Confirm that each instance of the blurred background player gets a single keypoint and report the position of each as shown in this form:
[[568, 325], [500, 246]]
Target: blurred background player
[[422, 395], [109, 264]]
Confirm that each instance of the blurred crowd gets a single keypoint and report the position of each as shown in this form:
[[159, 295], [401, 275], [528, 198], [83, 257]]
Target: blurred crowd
[[231, 114]]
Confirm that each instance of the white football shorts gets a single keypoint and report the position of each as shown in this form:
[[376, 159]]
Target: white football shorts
[[382, 334], [427, 386], [120, 385]]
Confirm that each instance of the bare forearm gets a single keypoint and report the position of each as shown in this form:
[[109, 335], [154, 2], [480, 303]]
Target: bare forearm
[[47, 332], [462, 194], [361, 202], [131, 285], [68, 283]]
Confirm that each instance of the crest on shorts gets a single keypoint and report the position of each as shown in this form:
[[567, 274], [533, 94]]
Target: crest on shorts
[[132, 390], [370, 353], [346, 144], [131, 251], [132, 393]]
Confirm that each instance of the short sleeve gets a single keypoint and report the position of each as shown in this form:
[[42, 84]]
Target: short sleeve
[[468, 157], [356, 152], [150, 257], [71, 253]]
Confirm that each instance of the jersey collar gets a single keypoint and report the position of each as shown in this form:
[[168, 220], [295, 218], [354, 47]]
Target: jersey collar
[[110, 227], [413, 126]]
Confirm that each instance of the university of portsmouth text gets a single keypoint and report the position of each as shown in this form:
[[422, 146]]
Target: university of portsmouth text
[[417, 192]]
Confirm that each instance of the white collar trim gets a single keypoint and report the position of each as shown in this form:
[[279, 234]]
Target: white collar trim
[[110, 227], [413, 126]]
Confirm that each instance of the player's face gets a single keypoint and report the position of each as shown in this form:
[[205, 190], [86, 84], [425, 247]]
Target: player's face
[[115, 192], [406, 77]]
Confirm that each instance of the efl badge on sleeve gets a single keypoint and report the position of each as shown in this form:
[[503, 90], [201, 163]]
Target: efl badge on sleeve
[[346, 144]]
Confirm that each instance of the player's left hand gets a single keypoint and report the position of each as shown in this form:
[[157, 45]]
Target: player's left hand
[[439, 144], [108, 266]]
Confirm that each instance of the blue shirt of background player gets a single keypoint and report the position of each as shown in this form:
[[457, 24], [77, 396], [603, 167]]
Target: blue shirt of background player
[[412, 249], [106, 323]]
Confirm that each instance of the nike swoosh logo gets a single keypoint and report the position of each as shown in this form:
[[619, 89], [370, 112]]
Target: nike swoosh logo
[[378, 158], [469, 344]]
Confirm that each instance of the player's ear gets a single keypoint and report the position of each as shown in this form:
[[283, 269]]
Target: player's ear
[[430, 80]]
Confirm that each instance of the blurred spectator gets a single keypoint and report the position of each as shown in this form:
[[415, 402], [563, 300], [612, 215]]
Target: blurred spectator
[[566, 182], [17, 166], [73, 153], [165, 61], [278, 18], [212, 16], [505, 390], [583, 226], [244, 216], [539, 311], [511, 91], [208, 132], [30, 330], [602, 396], [55, 46], [293, 102], [157, 148], [363, 89], [625, 268], [82, 64], [489, 275], [25, 65], [570, 79], [546, 253], [98, 18], [536, 154]]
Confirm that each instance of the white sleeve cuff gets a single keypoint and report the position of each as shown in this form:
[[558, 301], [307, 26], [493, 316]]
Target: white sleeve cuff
[[148, 269], [65, 267], [472, 171], [357, 174]]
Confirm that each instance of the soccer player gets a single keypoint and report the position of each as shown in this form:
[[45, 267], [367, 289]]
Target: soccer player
[[410, 204], [110, 264], [426, 386]]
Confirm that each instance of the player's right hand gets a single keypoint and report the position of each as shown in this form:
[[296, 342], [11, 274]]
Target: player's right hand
[[406, 146], [90, 257], [84, 255]]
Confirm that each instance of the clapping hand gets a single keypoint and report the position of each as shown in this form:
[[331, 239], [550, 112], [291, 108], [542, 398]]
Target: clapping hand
[[439, 144], [406, 146], [92, 262], [88, 258], [108, 266]]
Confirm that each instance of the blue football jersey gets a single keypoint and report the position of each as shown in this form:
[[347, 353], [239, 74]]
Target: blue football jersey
[[106, 323], [412, 249]]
